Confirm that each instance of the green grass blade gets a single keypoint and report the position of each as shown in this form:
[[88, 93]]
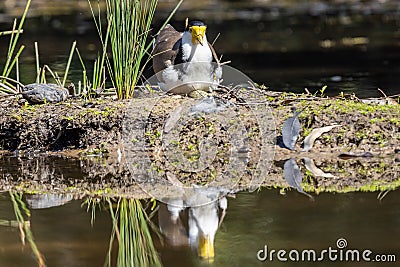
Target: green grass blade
[[69, 63], [166, 21], [37, 62], [11, 66], [10, 32], [14, 40], [130, 23]]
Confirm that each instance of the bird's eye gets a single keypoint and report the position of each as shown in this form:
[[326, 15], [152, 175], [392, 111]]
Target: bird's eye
[[190, 29]]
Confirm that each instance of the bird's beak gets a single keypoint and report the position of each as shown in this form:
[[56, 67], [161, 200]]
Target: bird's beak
[[198, 33], [206, 248]]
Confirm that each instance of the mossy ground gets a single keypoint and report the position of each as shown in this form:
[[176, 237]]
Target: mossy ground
[[88, 136], [364, 127]]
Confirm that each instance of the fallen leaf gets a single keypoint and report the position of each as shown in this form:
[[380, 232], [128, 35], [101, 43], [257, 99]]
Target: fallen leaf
[[315, 133], [309, 163]]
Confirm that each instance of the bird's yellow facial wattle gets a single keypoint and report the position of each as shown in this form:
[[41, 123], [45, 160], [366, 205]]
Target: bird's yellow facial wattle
[[198, 33]]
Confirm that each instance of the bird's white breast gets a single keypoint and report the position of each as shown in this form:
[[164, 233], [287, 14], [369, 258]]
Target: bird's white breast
[[195, 52], [196, 73]]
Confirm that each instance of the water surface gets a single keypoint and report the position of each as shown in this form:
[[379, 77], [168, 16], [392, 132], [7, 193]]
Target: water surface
[[66, 238], [352, 47]]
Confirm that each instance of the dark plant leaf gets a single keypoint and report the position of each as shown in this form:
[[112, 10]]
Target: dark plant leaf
[[355, 155], [290, 131], [293, 176]]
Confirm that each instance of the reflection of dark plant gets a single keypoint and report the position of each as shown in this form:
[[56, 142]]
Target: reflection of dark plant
[[20, 211], [131, 230]]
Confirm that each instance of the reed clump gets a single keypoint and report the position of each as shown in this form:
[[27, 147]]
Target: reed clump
[[129, 23], [132, 232]]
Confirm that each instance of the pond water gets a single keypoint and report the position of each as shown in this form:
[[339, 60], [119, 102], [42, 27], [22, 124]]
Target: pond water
[[65, 236], [69, 228]]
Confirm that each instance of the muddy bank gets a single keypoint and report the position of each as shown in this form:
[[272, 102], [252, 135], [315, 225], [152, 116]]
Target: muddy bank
[[86, 146], [55, 127], [97, 125]]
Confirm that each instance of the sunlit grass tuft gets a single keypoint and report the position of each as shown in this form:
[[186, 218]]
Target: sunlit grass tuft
[[130, 23]]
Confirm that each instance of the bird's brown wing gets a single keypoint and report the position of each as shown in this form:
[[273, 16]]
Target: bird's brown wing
[[166, 48]]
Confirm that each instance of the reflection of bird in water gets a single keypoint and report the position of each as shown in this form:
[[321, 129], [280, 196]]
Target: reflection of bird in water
[[180, 59], [171, 225], [203, 225], [203, 220]]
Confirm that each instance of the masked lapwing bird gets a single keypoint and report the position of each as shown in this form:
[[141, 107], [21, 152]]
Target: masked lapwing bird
[[183, 61]]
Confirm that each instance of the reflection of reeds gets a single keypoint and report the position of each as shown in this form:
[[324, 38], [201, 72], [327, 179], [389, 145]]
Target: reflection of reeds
[[132, 232], [92, 203], [24, 226]]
